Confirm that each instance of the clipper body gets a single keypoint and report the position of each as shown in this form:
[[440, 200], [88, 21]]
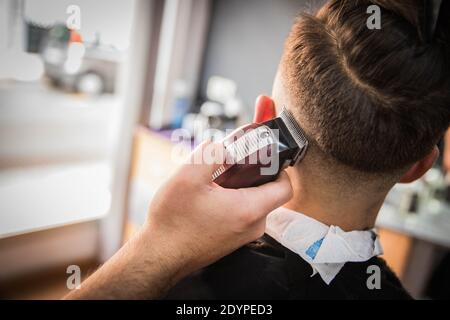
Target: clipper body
[[257, 153]]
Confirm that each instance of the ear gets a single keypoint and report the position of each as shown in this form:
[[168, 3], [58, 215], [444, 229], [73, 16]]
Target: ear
[[446, 155], [420, 167], [264, 109]]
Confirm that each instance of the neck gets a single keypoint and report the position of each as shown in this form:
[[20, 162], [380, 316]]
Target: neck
[[348, 209]]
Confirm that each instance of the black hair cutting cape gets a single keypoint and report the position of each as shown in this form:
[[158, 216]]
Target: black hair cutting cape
[[264, 269]]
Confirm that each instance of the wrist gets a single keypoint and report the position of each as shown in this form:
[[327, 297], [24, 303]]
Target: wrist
[[162, 253]]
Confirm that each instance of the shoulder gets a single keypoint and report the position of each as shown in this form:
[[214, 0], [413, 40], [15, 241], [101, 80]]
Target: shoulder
[[255, 271], [372, 279]]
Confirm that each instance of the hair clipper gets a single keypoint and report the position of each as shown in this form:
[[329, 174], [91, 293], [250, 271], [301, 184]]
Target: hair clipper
[[256, 153]]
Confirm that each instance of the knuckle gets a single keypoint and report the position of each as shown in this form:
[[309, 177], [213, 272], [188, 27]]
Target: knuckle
[[243, 222], [184, 179], [247, 216], [256, 232], [259, 232]]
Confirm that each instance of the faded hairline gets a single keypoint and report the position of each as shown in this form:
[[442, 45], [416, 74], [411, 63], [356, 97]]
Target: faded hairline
[[329, 170]]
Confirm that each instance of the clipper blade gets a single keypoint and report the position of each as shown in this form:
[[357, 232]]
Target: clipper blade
[[295, 130]]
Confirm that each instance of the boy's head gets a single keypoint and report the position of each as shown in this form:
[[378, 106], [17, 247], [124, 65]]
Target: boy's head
[[372, 102]]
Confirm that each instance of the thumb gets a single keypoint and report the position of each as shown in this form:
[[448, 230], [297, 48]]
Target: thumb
[[269, 196]]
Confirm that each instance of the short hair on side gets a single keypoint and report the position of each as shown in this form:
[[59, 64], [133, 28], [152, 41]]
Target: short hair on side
[[375, 100]]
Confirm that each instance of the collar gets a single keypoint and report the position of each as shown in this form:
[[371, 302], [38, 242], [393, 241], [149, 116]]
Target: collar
[[325, 248]]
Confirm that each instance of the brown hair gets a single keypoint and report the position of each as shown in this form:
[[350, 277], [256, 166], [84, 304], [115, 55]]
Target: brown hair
[[375, 100]]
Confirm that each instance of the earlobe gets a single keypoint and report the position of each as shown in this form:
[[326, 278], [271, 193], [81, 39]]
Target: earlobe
[[420, 167], [264, 109]]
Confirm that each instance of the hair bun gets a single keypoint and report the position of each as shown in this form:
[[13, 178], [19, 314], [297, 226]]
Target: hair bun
[[409, 10], [442, 29], [429, 17]]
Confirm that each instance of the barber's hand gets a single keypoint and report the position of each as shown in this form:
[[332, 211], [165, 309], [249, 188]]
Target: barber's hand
[[192, 223], [195, 222]]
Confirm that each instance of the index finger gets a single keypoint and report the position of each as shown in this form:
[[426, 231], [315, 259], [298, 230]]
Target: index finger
[[205, 160], [269, 196]]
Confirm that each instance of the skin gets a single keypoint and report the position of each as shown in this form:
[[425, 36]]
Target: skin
[[321, 194], [188, 217], [446, 162]]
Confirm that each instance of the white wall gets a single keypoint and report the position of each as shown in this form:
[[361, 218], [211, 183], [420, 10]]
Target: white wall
[[246, 40], [112, 18]]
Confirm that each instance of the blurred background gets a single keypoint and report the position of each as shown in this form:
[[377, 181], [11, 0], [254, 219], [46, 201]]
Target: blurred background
[[90, 93]]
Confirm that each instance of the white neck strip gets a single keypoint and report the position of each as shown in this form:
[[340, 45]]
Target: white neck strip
[[325, 248]]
